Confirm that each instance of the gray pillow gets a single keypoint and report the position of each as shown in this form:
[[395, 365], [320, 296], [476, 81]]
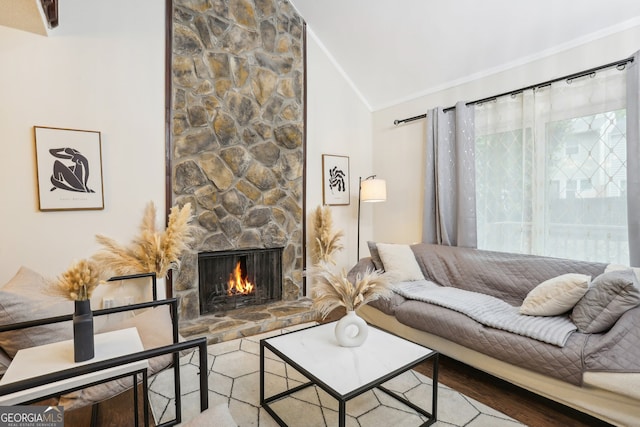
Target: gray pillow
[[375, 256], [27, 296], [609, 296]]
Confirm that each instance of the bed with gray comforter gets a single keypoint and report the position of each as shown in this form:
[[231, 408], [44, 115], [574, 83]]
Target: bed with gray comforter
[[506, 279]]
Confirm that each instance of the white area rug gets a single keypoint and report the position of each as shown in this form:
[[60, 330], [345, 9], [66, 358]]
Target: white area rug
[[234, 369]]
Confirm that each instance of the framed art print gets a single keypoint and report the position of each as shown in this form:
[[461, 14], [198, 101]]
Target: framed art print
[[335, 180], [69, 166]]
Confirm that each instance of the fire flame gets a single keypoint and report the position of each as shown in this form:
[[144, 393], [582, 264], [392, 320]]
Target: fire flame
[[238, 284]]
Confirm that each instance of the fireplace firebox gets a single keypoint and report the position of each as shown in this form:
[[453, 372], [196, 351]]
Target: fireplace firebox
[[239, 278]]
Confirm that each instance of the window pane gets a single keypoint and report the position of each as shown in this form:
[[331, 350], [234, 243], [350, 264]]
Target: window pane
[[587, 208], [504, 191], [584, 202]]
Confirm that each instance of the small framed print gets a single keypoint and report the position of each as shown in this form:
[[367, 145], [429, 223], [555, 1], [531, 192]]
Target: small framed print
[[335, 180], [69, 166]]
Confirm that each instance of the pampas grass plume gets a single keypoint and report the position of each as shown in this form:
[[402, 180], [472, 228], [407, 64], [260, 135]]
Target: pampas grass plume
[[332, 290], [152, 249], [79, 281], [326, 241]]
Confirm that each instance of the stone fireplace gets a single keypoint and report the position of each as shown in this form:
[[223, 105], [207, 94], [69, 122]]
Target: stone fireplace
[[240, 278], [237, 144]]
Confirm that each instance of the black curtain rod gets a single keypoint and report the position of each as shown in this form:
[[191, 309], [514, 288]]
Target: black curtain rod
[[588, 72]]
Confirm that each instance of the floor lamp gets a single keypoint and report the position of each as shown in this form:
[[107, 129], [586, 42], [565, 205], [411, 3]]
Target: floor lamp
[[371, 190]]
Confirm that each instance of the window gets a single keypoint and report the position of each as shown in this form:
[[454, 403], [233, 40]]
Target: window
[[571, 147], [551, 170]]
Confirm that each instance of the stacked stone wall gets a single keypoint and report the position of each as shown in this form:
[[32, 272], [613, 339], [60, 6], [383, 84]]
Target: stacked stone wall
[[237, 151]]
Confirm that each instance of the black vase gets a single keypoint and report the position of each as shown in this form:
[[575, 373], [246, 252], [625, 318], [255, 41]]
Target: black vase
[[82, 331]]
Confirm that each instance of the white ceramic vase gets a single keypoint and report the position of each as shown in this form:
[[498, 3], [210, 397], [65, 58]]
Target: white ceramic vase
[[351, 330], [161, 286]]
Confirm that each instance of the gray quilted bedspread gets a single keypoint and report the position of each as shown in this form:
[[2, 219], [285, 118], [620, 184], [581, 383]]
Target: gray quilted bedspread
[[491, 311], [510, 277]]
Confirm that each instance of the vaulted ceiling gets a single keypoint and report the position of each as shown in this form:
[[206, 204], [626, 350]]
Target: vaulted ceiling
[[394, 50]]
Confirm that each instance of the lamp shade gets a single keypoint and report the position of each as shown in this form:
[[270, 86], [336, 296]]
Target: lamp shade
[[373, 190]]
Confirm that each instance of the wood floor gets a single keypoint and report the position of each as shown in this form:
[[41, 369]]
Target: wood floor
[[526, 407]]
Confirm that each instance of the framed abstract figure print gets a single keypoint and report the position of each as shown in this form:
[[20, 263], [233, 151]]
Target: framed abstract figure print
[[69, 166]]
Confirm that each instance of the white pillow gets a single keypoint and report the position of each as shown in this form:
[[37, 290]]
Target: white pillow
[[399, 262], [555, 296]]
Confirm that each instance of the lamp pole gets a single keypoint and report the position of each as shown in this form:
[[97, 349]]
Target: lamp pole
[[359, 194]]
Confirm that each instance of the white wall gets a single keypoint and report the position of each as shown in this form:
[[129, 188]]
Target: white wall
[[399, 150], [102, 69], [338, 122]]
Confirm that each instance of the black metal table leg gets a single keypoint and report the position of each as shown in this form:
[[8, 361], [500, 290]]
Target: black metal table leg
[[434, 401], [135, 399], [261, 373], [145, 396]]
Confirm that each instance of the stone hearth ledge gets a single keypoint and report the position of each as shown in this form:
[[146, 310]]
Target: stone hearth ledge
[[248, 321]]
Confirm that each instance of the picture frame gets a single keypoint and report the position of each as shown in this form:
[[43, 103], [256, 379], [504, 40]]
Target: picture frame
[[69, 169], [335, 180]]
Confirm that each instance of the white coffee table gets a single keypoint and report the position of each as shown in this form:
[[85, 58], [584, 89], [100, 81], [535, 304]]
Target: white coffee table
[[33, 362], [344, 372]]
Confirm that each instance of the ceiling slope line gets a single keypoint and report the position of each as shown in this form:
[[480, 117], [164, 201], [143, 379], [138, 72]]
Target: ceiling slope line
[[338, 67]]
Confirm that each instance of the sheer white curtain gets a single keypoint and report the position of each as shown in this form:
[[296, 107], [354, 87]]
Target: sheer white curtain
[[633, 158], [449, 199], [551, 170]]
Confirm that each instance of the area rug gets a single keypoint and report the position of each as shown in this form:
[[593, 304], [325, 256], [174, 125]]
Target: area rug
[[234, 369]]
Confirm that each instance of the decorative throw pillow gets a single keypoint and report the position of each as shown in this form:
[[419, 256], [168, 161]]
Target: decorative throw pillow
[[26, 297], [27, 282], [609, 297], [616, 267], [375, 256], [399, 262], [555, 296]]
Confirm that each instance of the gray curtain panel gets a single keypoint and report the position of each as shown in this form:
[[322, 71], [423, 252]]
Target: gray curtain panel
[[450, 193], [633, 159]]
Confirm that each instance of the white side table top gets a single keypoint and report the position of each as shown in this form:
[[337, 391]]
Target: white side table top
[[35, 361], [346, 369]]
